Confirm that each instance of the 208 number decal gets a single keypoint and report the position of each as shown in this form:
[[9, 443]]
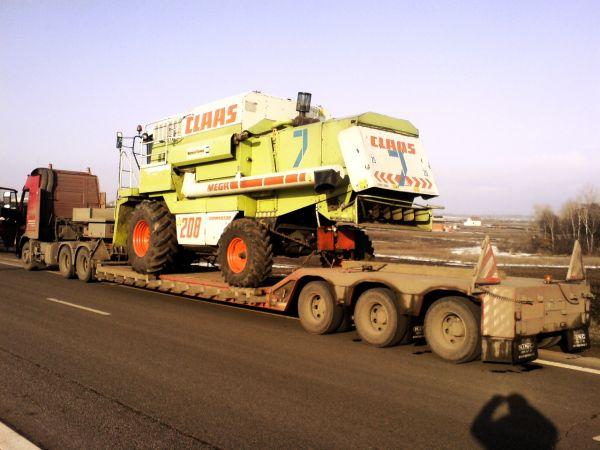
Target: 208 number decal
[[190, 227]]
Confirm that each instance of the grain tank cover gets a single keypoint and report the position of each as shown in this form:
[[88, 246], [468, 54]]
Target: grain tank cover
[[377, 158], [241, 112]]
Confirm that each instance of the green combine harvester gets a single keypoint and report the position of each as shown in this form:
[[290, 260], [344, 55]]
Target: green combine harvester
[[252, 176]]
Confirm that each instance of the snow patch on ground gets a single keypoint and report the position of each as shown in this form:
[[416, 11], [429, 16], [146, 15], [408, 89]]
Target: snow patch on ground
[[455, 262], [477, 250]]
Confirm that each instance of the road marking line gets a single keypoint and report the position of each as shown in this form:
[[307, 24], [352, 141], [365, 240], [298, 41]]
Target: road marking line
[[12, 264], [596, 438], [11, 440], [568, 366], [97, 311]]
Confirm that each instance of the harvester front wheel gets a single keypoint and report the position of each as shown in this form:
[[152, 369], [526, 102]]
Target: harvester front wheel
[[245, 253], [152, 241]]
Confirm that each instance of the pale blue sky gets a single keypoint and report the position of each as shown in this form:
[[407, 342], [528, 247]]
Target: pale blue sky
[[506, 94]]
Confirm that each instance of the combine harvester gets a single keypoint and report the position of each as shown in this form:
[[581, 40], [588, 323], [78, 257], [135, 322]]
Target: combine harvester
[[244, 179]]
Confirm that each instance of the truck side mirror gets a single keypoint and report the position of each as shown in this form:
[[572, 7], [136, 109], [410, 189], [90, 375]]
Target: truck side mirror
[[119, 140]]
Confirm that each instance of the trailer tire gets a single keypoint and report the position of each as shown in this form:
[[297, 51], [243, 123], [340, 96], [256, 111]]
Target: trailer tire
[[318, 311], [452, 329], [65, 262], [27, 257], [152, 241], [377, 318], [84, 266], [245, 253]]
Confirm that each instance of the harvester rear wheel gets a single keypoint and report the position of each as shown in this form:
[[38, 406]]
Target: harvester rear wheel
[[245, 253], [152, 241]]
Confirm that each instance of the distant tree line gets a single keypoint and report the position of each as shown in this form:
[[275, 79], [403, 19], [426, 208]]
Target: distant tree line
[[577, 219]]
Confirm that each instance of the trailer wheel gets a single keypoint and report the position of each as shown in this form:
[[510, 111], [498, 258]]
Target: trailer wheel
[[152, 242], [452, 329], [27, 257], [378, 319], [245, 254], [84, 265], [318, 311], [65, 262]]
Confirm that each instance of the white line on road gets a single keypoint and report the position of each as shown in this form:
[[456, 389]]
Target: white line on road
[[97, 311], [596, 438], [567, 366], [10, 440], [12, 264]]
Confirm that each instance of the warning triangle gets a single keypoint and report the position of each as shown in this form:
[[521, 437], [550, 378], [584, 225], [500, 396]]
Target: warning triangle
[[576, 268], [486, 270]]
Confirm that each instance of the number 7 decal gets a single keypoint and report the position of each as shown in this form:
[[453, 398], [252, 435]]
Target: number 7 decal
[[304, 134]]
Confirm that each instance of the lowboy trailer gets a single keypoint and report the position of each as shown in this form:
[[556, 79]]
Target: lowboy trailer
[[462, 313]]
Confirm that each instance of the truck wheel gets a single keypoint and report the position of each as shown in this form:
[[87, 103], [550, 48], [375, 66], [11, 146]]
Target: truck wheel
[[152, 241], [318, 311], [452, 329], [245, 253], [65, 262], [27, 257], [84, 266], [378, 319]]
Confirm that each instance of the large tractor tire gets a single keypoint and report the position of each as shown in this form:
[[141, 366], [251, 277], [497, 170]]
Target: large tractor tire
[[245, 254], [152, 242], [452, 329]]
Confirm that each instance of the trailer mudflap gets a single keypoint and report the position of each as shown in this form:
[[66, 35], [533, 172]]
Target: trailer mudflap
[[520, 350], [575, 341]]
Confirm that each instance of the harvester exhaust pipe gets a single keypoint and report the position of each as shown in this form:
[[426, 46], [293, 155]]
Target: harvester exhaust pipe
[[303, 103]]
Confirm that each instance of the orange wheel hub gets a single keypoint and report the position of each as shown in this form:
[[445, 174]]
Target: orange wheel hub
[[237, 255], [141, 238]]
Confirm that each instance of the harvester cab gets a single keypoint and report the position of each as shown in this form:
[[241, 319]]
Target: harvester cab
[[252, 176]]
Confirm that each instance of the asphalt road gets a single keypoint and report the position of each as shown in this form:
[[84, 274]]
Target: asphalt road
[[161, 371]]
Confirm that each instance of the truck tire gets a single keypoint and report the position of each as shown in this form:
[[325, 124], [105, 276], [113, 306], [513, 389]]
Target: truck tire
[[152, 241], [245, 254], [65, 262], [377, 318], [318, 311], [452, 329], [84, 266], [27, 257]]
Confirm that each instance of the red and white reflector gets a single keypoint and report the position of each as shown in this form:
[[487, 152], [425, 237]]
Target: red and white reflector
[[486, 270], [576, 268]]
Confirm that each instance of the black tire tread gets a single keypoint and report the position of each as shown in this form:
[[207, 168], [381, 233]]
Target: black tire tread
[[164, 248], [259, 245]]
